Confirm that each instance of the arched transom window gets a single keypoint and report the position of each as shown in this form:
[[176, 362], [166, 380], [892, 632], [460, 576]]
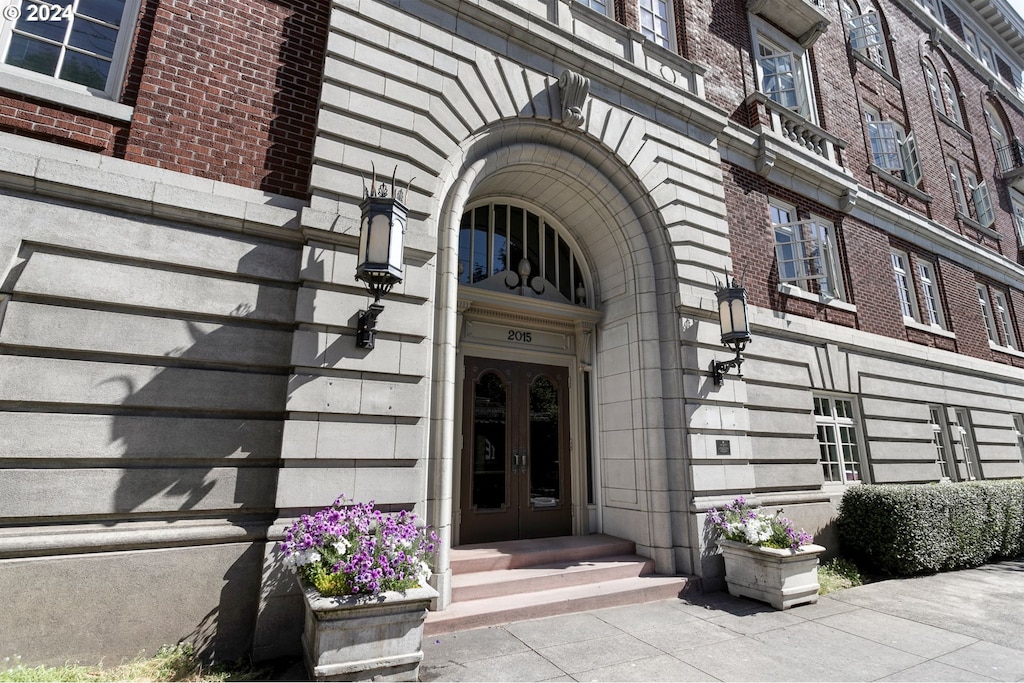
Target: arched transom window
[[508, 248]]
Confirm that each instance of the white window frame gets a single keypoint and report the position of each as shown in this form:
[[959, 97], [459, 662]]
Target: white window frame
[[655, 17], [891, 148], [600, 6], [929, 287], [957, 183], [807, 257], [771, 44], [970, 39], [1001, 311], [952, 101], [934, 89], [904, 284], [1018, 218], [846, 435], [981, 198], [962, 423], [1018, 426], [933, 9], [25, 80], [944, 455], [986, 313], [987, 56], [868, 38]]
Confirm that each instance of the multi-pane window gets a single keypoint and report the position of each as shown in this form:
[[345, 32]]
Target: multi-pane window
[[962, 424], [1018, 220], [904, 290], [929, 294], [940, 439], [806, 252], [866, 35], [781, 75], [599, 5], [952, 100], [933, 8], [986, 313], [654, 21], [931, 311], [1003, 318], [971, 39], [892, 149], [981, 200], [1018, 425], [80, 41], [837, 439], [933, 86], [957, 185]]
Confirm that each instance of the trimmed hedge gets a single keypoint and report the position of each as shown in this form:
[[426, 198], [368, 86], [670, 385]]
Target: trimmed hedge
[[907, 529]]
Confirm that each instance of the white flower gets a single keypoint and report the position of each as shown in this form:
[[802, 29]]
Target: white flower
[[424, 573], [342, 546]]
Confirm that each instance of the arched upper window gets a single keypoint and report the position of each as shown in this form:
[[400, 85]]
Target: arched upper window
[[945, 94], [866, 33], [509, 248]]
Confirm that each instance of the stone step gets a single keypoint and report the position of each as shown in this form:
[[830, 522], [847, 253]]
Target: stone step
[[461, 616], [530, 552], [488, 584]]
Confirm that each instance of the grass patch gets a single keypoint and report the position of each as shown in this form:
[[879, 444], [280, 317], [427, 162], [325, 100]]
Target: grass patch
[[171, 663], [837, 574]]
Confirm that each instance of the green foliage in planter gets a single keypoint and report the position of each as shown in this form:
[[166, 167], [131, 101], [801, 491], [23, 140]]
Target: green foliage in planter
[[907, 529]]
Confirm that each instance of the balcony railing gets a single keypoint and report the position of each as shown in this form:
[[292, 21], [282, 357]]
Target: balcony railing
[[792, 126], [1011, 163]]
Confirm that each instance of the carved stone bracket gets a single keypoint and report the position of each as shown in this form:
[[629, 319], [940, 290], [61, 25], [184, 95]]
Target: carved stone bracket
[[812, 34], [573, 90], [848, 200]]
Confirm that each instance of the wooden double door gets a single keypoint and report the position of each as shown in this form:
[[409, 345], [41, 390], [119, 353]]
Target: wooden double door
[[515, 453]]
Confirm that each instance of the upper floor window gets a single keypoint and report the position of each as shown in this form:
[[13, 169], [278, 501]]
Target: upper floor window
[[1003, 318], [782, 76], [892, 149], [865, 32], [979, 201], [986, 314], [1018, 217], [508, 248], [806, 252], [930, 310], [84, 42], [971, 40], [933, 9], [654, 21], [952, 100], [598, 5]]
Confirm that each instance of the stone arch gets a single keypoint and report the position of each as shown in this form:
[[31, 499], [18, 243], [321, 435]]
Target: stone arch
[[598, 199]]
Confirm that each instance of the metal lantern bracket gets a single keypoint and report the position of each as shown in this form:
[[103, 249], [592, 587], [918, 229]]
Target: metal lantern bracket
[[732, 313]]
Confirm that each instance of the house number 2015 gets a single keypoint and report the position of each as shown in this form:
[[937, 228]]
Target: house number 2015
[[519, 336]]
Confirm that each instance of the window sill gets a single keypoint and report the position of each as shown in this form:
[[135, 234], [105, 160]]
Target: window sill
[[953, 124], [1008, 350], [54, 91], [930, 329], [971, 223], [899, 184], [875, 66], [796, 292]]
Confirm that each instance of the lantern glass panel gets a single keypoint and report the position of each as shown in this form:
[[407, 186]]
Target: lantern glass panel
[[396, 244], [739, 315], [380, 234]]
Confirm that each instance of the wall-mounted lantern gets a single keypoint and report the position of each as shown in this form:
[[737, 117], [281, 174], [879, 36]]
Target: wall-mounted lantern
[[379, 261], [732, 314]]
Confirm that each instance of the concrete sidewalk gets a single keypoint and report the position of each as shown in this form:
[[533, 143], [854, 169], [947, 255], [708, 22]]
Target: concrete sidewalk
[[958, 626]]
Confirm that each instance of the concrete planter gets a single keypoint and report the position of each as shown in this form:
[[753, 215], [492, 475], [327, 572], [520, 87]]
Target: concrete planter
[[365, 638], [782, 578]]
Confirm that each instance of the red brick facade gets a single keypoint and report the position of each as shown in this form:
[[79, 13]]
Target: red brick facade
[[719, 34], [220, 90]]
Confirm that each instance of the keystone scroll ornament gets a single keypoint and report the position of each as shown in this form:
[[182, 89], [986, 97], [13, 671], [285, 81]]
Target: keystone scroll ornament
[[573, 90]]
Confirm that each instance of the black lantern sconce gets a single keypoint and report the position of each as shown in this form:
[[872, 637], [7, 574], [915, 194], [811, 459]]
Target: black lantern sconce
[[732, 314], [379, 261]]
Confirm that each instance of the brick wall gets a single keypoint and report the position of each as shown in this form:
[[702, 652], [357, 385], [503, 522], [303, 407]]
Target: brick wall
[[720, 31], [220, 89]]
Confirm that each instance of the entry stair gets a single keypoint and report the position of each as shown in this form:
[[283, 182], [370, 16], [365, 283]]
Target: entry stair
[[498, 583]]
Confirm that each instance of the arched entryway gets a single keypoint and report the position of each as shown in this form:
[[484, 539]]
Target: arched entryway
[[607, 343]]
